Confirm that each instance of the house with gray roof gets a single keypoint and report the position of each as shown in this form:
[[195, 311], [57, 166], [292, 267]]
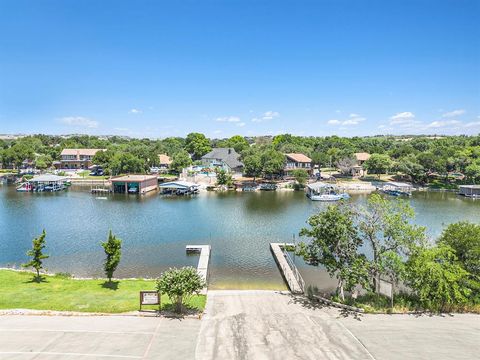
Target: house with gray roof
[[224, 158]]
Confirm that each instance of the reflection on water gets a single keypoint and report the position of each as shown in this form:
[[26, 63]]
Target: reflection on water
[[155, 230]]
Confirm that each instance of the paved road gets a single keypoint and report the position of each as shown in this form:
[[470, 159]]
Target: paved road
[[253, 325], [418, 337], [96, 337]]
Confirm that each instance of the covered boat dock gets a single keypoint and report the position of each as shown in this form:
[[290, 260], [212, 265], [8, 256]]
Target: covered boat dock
[[134, 184], [397, 188], [469, 191], [45, 182], [179, 187]]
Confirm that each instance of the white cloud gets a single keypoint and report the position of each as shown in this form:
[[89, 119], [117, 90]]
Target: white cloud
[[440, 124], [217, 132], [79, 121], [268, 115], [454, 113], [472, 124], [402, 118], [135, 111], [354, 119], [352, 122], [241, 124], [232, 119], [334, 122]]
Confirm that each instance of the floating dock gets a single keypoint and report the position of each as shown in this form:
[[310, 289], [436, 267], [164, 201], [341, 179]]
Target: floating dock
[[289, 270], [203, 261]]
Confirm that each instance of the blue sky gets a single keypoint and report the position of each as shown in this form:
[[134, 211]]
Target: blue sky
[[166, 68]]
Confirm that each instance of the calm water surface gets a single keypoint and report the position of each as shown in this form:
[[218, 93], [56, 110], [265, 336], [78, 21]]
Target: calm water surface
[[155, 230]]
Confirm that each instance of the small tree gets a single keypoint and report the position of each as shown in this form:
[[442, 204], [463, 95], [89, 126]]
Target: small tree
[[180, 161], [36, 253], [301, 177], [223, 178], [437, 278], [180, 285], [346, 165], [335, 244], [112, 248]]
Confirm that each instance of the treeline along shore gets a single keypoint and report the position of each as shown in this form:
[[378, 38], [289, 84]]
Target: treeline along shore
[[434, 160]]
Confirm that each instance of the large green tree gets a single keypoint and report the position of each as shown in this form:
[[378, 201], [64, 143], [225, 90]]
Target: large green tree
[[464, 238], [334, 243], [180, 161], [197, 145], [378, 164], [273, 162], [386, 229]]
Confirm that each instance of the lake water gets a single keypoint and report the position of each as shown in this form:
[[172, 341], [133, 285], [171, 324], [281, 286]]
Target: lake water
[[155, 230]]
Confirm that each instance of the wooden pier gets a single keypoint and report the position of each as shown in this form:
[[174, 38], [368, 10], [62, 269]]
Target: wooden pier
[[203, 261], [289, 270]]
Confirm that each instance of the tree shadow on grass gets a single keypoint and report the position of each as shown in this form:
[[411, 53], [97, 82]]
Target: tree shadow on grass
[[112, 285], [37, 280]]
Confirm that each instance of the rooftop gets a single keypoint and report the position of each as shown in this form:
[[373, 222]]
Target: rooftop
[[228, 155], [301, 158], [86, 152], [398, 184], [178, 184], [320, 185], [134, 178], [362, 156], [48, 178], [164, 159]]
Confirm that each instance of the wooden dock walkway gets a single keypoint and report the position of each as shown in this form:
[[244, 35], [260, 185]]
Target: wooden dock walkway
[[203, 261], [289, 270]]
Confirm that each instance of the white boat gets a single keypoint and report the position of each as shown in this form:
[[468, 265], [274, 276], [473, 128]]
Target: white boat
[[320, 191], [25, 187]]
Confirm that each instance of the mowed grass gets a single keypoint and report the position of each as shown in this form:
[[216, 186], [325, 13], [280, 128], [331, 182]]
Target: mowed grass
[[18, 290]]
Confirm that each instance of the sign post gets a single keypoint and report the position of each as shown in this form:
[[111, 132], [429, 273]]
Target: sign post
[[386, 288], [150, 297]]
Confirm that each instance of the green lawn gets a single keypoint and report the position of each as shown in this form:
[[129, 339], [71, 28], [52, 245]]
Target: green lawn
[[18, 291]]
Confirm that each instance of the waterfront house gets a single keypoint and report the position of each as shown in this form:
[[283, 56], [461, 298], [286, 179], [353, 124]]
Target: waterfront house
[[224, 158], [134, 184], [470, 190], [164, 162], [360, 158], [77, 158], [296, 161]]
